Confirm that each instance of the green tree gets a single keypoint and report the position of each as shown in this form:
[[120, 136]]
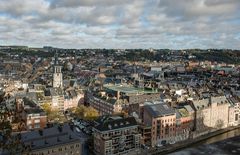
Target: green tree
[[91, 113], [47, 108], [87, 113], [53, 115]]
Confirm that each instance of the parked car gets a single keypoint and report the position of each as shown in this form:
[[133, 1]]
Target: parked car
[[77, 129], [159, 145], [145, 147], [164, 142], [172, 142]]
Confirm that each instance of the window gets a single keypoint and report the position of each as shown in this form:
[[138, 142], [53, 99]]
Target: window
[[30, 127], [60, 149], [37, 121], [236, 117], [29, 122], [36, 126]]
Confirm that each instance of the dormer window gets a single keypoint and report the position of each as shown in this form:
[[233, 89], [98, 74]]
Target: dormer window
[[109, 126]]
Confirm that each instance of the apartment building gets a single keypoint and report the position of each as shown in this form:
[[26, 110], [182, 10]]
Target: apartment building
[[57, 140], [57, 98], [104, 105], [162, 118], [116, 135], [33, 116], [234, 111], [72, 98], [116, 98], [211, 113]]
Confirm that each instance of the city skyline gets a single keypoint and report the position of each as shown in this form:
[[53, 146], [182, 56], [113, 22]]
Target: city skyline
[[121, 24]]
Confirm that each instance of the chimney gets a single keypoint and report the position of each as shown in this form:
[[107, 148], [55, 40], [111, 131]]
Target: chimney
[[71, 127], [40, 132], [60, 128], [45, 141]]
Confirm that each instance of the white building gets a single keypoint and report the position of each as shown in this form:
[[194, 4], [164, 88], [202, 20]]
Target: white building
[[211, 113], [57, 75]]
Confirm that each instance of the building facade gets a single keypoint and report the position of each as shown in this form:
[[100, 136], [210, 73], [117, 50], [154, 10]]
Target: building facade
[[31, 114], [211, 113], [116, 136], [57, 75], [57, 140], [162, 118], [234, 111], [102, 105]]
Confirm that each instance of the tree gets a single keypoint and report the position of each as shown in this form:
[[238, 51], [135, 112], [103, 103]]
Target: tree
[[91, 113], [87, 113], [47, 108], [6, 128], [80, 111], [53, 115]]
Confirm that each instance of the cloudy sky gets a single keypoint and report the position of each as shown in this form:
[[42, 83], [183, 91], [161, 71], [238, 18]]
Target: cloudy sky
[[174, 24]]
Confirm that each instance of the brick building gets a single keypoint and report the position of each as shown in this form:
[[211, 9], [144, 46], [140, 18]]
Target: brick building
[[162, 118]]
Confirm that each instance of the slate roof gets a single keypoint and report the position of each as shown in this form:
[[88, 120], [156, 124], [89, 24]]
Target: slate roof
[[204, 103], [189, 108], [70, 94], [158, 110], [31, 107], [51, 136], [233, 100], [219, 99], [56, 91], [107, 123]]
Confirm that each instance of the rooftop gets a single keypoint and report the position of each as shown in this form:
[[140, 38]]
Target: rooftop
[[128, 89], [159, 110], [183, 112], [107, 123], [56, 135]]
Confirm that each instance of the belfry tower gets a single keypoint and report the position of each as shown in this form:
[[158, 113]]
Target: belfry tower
[[57, 74]]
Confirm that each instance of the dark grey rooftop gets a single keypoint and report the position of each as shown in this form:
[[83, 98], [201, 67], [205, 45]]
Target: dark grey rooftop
[[51, 136], [30, 107], [161, 109], [107, 123]]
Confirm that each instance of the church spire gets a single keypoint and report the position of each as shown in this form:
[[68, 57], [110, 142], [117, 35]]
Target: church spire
[[56, 58], [57, 74]]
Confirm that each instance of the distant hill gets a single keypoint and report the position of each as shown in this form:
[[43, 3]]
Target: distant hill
[[227, 56]]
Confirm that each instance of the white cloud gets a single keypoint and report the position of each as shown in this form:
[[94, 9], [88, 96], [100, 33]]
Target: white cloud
[[121, 23]]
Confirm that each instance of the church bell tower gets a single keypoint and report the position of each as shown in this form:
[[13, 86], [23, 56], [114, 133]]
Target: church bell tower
[[57, 74]]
